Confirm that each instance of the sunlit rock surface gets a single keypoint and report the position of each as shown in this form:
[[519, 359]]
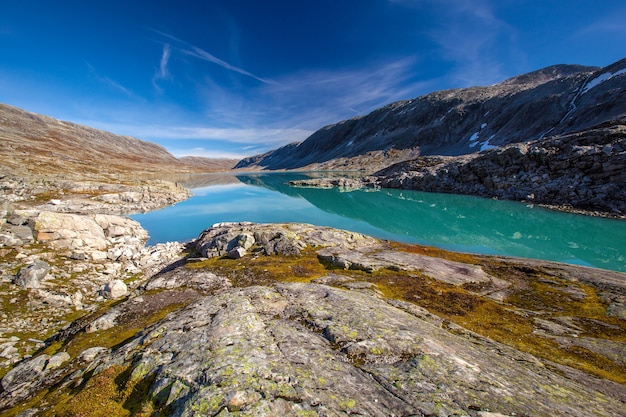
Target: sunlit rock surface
[[318, 321]]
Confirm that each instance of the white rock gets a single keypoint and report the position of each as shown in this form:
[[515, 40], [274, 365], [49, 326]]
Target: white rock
[[57, 360], [103, 323], [112, 269], [115, 289], [7, 350], [90, 354], [71, 231], [98, 255], [236, 253]]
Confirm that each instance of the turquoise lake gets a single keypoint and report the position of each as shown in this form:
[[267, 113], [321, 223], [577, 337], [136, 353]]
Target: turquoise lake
[[454, 222]]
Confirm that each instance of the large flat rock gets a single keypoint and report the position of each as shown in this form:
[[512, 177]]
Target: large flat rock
[[296, 349]]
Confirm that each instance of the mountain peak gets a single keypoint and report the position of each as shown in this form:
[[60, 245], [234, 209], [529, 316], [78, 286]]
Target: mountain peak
[[548, 74], [555, 100]]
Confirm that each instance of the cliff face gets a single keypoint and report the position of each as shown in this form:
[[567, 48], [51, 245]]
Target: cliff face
[[553, 101], [582, 170]]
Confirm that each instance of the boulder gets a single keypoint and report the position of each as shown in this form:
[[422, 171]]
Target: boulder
[[31, 275], [236, 253], [57, 360], [116, 226], [114, 289], [88, 355], [104, 322], [274, 239], [23, 233], [69, 231], [25, 373], [8, 239]]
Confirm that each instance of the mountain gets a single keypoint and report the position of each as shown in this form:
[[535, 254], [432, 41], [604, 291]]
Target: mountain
[[37, 144], [553, 101], [208, 164]]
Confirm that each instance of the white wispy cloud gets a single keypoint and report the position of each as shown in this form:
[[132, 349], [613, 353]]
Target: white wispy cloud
[[110, 83], [207, 153], [206, 56], [470, 36], [165, 56], [233, 135], [162, 73], [311, 99], [197, 52], [611, 25], [262, 116], [292, 107]]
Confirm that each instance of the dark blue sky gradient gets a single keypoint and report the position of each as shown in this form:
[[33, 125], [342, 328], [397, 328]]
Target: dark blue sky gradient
[[239, 77]]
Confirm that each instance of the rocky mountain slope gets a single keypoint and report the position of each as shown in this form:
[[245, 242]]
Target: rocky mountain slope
[[40, 145], [553, 101]]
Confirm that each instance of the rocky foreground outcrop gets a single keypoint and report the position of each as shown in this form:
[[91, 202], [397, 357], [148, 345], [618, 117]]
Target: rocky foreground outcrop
[[65, 250], [293, 319]]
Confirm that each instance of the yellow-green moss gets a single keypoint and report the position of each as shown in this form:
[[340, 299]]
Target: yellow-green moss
[[437, 253], [257, 269], [118, 334], [507, 323]]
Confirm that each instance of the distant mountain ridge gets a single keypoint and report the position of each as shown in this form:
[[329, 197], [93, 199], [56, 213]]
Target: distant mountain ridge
[[552, 101], [37, 144]]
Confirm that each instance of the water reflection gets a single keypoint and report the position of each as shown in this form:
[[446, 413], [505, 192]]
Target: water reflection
[[454, 222]]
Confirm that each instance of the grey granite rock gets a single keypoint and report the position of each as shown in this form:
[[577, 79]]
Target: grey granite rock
[[307, 348], [25, 373], [30, 276]]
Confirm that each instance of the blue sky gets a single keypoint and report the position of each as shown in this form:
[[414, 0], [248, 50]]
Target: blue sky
[[235, 78]]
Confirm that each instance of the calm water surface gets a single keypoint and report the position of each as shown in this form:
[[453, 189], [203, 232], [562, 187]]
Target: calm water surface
[[460, 223]]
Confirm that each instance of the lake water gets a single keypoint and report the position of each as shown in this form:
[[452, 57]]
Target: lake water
[[454, 222]]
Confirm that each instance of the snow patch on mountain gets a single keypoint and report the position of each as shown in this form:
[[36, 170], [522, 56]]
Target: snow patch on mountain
[[473, 139], [602, 78], [484, 145]]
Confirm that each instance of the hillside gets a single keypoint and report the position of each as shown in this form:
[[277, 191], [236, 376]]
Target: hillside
[[553, 101], [41, 145]]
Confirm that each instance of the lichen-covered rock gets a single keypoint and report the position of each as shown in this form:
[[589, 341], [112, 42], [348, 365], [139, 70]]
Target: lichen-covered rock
[[236, 253], [57, 360], [69, 231], [293, 349], [199, 280], [24, 373], [273, 239]]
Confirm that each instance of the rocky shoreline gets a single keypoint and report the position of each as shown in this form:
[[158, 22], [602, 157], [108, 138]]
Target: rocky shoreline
[[582, 173], [65, 249]]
